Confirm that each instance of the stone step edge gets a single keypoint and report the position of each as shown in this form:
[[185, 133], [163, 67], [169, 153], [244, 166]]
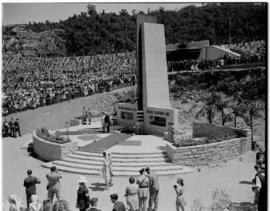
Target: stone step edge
[[120, 154], [92, 172], [122, 168], [129, 164], [121, 160]]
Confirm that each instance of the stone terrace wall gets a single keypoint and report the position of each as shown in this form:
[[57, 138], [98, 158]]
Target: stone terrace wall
[[213, 152], [49, 151]]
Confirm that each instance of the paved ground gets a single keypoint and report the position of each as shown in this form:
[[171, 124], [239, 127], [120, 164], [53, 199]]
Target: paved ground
[[232, 176]]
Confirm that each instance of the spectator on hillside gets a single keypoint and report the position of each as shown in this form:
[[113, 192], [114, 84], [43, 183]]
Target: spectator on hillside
[[132, 191], [53, 186], [118, 205], [154, 189], [30, 186]]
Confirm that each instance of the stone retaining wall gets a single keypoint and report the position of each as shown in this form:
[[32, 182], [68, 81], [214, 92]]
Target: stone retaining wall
[[213, 152], [49, 151], [208, 153]]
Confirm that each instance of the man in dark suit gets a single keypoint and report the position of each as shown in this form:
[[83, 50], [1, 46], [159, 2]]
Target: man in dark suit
[[153, 189], [118, 205], [12, 127], [107, 122], [17, 127], [30, 186]]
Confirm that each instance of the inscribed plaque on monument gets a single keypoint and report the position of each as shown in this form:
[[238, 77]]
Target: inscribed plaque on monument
[[154, 66]]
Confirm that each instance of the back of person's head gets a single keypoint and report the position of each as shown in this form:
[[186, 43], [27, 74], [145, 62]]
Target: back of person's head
[[29, 171], [142, 171], [114, 196], [147, 169], [93, 201], [131, 180], [53, 168], [61, 205]]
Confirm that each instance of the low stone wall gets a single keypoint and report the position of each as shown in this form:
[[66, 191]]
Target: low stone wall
[[208, 153], [213, 152], [49, 151]]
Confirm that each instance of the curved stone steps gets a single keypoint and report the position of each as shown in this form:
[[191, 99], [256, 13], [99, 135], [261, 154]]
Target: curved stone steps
[[124, 164], [122, 160], [129, 164], [183, 170]]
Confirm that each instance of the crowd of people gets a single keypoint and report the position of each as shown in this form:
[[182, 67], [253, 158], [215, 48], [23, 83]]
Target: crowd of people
[[11, 128], [259, 183], [31, 82], [142, 192], [250, 52]]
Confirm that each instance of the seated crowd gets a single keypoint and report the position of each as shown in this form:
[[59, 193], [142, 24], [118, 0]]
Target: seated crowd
[[31, 82], [250, 52]]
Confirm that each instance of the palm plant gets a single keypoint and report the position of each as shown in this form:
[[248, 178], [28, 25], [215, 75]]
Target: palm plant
[[209, 108]]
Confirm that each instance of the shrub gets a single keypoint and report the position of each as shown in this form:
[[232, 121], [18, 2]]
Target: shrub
[[220, 200], [44, 134], [185, 141]]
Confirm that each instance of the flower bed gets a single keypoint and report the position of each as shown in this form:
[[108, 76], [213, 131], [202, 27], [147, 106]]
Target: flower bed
[[44, 134], [49, 147], [190, 141]]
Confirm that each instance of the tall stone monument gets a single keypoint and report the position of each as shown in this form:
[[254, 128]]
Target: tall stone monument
[[152, 113]]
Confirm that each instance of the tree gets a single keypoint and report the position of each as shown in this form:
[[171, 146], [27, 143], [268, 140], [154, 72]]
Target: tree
[[221, 103], [209, 108], [252, 113]]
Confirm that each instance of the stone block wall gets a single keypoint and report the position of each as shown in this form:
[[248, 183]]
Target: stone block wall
[[209, 153], [49, 151], [213, 152]]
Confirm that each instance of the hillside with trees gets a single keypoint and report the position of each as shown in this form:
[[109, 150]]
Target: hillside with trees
[[92, 33]]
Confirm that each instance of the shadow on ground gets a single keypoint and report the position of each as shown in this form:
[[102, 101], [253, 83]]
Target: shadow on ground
[[246, 182], [98, 186]]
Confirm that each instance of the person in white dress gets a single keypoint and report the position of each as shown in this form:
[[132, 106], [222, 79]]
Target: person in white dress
[[106, 170]]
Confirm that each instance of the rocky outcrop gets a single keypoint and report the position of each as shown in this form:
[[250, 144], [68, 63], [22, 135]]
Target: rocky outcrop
[[19, 41]]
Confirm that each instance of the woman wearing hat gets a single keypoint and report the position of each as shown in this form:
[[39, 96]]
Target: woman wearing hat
[[106, 170], [180, 200], [83, 199]]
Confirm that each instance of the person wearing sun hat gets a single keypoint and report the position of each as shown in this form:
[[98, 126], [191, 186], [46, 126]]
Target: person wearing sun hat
[[83, 199]]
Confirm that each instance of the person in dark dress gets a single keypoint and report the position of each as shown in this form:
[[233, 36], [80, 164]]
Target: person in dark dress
[[107, 121], [5, 128], [118, 205], [30, 186], [83, 199], [17, 128]]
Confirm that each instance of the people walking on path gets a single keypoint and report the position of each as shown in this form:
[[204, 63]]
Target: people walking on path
[[53, 186], [83, 198], [153, 190], [30, 186], [132, 191], [143, 182]]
